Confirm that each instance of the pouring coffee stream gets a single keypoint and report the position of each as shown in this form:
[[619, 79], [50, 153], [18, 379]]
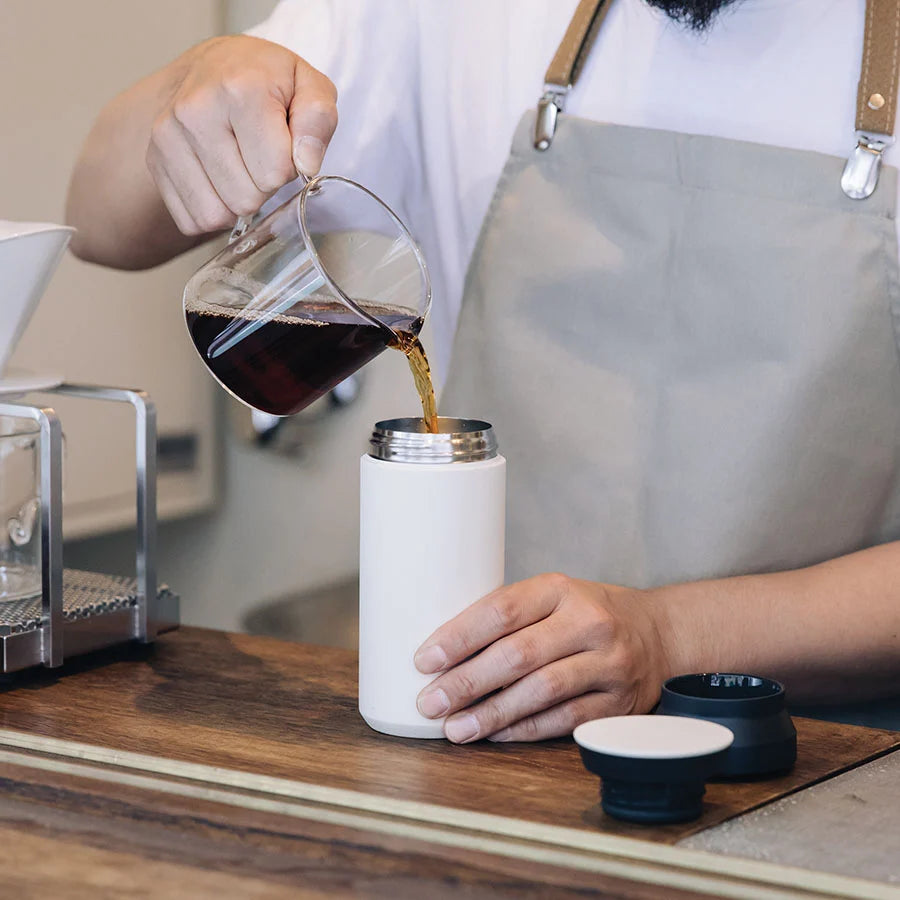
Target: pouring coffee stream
[[421, 371]]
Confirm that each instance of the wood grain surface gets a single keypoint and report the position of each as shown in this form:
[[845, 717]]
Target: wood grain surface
[[289, 710], [71, 837]]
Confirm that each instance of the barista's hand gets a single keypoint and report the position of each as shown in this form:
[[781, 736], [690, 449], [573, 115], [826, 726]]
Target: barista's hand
[[556, 651], [244, 117]]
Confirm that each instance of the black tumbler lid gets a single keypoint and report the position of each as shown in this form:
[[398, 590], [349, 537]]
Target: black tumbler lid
[[753, 707], [653, 768]]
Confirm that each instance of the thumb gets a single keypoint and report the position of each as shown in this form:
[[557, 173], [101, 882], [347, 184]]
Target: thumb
[[312, 118]]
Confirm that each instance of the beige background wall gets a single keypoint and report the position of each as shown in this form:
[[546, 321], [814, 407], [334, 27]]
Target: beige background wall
[[281, 526], [60, 63]]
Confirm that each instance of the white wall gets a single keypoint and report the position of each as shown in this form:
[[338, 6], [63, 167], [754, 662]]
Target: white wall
[[283, 526]]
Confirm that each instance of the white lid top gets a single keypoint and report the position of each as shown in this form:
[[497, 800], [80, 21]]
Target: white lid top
[[653, 737]]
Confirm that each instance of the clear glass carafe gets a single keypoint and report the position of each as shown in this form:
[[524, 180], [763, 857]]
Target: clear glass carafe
[[307, 295]]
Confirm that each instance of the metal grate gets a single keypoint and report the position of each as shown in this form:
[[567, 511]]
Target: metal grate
[[85, 594]]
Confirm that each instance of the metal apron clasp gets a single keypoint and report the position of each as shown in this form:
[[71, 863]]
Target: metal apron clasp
[[549, 107], [863, 166]]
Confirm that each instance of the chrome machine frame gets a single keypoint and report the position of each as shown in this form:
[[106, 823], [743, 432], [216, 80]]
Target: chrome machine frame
[[119, 609]]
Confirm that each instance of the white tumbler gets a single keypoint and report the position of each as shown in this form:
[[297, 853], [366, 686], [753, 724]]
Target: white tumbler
[[432, 521]]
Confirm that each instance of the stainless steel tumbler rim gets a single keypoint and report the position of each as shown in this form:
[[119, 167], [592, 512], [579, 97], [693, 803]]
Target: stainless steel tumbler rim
[[457, 441]]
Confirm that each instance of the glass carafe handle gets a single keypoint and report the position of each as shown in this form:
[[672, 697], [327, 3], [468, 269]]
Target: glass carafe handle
[[245, 223], [241, 227]]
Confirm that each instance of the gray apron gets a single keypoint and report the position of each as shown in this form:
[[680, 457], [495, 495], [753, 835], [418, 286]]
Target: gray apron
[[688, 348]]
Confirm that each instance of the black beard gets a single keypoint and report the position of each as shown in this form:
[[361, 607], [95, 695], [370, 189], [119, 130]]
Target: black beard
[[696, 14]]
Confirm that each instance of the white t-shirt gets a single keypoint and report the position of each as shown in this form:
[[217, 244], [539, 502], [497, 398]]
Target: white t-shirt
[[430, 92]]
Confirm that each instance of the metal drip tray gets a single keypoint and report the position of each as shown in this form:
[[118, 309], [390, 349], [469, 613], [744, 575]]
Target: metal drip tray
[[98, 611], [85, 594]]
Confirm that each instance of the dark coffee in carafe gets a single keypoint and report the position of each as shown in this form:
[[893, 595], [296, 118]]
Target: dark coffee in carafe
[[282, 363]]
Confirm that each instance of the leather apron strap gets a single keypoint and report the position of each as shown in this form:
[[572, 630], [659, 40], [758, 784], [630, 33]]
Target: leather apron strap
[[876, 98], [876, 101], [566, 65]]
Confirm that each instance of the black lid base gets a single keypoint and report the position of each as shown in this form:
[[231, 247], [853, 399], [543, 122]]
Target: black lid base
[[648, 802], [751, 706]]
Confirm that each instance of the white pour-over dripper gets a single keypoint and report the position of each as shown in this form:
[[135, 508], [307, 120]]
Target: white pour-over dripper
[[29, 255]]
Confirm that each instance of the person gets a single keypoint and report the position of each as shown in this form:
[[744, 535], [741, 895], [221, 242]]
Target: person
[[683, 329]]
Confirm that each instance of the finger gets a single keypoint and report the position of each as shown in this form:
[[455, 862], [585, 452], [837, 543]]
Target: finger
[[177, 210], [562, 719], [257, 114], [503, 663], [543, 688], [492, 617], [216, 147], [264, 141], [312, 117], [172, 154]]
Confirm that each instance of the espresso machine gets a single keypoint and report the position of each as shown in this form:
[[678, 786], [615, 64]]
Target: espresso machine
[[66, 612]]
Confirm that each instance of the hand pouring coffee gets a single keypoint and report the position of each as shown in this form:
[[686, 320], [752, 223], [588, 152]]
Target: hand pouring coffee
[[303, 298]]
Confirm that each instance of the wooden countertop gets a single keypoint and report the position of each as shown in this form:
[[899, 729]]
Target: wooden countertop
[[239, 766]]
